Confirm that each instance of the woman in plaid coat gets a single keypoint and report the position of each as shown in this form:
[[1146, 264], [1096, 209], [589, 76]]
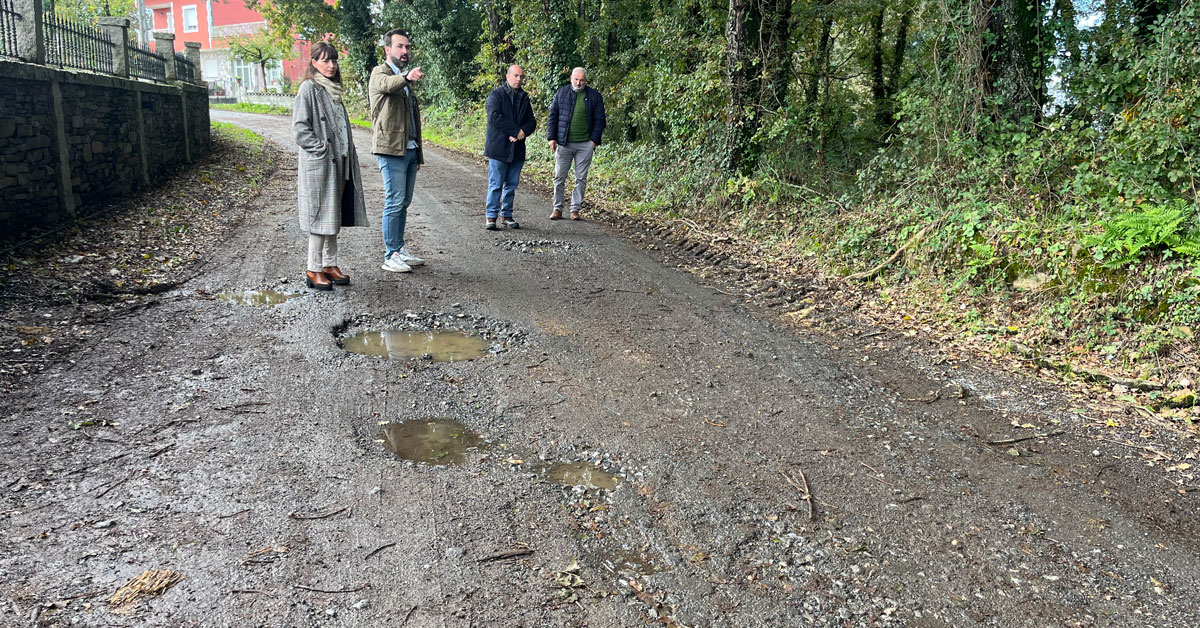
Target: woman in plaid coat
[[329, 187]]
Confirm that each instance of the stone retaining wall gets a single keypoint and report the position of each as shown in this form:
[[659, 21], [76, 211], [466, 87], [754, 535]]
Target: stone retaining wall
[[70, 139]]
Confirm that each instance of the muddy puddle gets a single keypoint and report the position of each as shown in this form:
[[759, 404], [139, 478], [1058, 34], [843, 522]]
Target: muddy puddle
[[255, 297], [577, 474], [630, 562], [439, 346], [435, 441]]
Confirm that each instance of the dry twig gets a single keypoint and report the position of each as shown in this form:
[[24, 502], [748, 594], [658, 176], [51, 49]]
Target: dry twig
[[805, 493], [1010, 441], [316, 590], [514, 553], [320, 516], [867, 274], [379, 549]]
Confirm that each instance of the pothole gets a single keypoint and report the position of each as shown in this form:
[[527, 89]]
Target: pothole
[[577, 474], [438, 346], [535, 247], [255, 297], [435, 337], [432, 441], [630, 561]]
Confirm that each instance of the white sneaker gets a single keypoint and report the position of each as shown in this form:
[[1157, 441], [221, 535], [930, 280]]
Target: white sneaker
[[409, 258], [395, 264]]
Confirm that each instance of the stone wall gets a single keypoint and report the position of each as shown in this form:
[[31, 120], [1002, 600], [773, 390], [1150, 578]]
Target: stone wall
[[28, 156], [71, 139]]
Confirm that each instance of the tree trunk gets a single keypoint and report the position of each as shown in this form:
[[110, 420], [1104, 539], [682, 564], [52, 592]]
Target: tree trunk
[[1013, 71], [777, 52], [738, 156], [886, 113], [500, 35], [821, 61], [878, 87]]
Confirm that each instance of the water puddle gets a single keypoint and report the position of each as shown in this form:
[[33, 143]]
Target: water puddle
[[255, 297], [627, 561], [436, 441], [578, 474], [440, 346]]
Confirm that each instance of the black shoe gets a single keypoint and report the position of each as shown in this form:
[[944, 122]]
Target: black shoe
[[490, 225], [510, 223]]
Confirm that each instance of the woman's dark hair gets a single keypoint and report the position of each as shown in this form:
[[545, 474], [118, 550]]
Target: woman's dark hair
[[322, 50]]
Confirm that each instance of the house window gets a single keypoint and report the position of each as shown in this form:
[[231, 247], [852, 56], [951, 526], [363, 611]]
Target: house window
[[166, 18], [190, 23], [245, 73]]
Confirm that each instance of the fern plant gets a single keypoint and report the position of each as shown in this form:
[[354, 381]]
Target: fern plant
[[1170, 228]]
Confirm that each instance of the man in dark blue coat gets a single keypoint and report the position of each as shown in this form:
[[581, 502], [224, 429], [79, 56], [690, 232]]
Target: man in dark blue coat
[[510, 121], [574, 127]]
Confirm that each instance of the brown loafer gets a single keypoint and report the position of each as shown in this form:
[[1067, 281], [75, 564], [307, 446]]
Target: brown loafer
[[575, 216], [556, 215], [336, 275], [317, 281]]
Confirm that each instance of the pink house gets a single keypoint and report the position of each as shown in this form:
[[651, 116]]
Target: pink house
[[212, 23]]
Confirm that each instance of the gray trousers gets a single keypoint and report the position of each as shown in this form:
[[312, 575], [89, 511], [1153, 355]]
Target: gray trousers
[[581, 154], [322, 251]]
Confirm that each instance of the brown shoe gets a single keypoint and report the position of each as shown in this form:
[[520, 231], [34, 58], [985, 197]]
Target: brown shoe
[[317, 281], [336, 275], [556, 215], [575, 216]]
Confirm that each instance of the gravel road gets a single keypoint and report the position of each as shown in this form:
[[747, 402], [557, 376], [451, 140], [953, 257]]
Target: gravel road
[[634, 446]]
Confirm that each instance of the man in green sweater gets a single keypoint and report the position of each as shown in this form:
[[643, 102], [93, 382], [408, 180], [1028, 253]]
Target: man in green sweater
[[574, 128]]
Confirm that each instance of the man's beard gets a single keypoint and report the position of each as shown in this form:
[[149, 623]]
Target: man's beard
[[578, 89], [400, 63]]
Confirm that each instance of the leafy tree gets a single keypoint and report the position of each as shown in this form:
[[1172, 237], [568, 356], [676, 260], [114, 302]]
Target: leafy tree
[[87, 11], [447, 39], [348, 21], [263, 49]]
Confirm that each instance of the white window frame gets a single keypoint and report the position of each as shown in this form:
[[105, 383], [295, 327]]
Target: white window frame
[[195, 23]]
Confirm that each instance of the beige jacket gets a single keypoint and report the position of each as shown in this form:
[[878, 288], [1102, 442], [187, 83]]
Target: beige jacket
[[389, 113]]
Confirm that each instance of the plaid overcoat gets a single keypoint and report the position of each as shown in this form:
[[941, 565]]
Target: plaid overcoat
[[322, 203]]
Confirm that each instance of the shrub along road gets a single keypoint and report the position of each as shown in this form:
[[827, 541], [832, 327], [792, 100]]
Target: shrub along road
[[762, 477]]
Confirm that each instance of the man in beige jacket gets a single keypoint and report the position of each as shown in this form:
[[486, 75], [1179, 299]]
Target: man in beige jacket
[[396, 143]]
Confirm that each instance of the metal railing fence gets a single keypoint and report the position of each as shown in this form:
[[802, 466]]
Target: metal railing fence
[[144, 64], [185, 70], [9, 19], [70, 44]]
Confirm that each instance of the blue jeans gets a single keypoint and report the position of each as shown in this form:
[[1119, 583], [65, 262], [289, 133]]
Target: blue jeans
[[502, 187], [399, 177]]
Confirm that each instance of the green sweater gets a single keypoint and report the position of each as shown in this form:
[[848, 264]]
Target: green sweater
[[578, 130]]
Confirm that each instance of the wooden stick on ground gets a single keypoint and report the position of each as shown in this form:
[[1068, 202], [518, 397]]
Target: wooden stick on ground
[[316, 590], [1011, 441], [805, 494], [379, 549], [516, 553], [321, 516], [867, 274]]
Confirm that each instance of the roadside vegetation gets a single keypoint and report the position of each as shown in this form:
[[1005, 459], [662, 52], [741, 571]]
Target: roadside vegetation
[[1020, 176], [246, 107]]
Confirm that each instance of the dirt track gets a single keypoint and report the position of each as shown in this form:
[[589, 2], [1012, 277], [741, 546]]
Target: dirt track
[[233, 430]]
